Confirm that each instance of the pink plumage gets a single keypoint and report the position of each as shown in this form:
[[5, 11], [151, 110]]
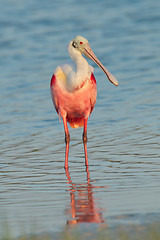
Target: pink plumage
[[75, 105]]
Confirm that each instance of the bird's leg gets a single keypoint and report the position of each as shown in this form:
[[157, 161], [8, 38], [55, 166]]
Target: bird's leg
[[67, 139], [84, 136]]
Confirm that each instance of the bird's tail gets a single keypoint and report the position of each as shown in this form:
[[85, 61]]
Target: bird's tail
[[76, 122]]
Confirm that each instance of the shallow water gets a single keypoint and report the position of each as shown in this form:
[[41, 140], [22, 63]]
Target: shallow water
[[123, 181]]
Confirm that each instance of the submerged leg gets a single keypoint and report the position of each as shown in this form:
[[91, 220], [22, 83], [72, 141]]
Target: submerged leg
[[67, 139], [85, 141]]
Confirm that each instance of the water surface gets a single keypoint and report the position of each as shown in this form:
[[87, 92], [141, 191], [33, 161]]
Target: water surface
[[123, 182]]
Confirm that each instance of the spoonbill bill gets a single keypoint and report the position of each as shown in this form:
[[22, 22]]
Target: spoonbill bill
[[74, 90]]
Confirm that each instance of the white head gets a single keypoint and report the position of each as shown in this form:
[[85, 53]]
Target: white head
[[81, 45]]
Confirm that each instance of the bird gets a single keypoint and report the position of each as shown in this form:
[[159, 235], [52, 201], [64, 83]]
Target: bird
[[74, 90]]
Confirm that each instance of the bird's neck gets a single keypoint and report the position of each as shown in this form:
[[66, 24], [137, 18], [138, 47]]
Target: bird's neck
[[81, 72], [82, 68]]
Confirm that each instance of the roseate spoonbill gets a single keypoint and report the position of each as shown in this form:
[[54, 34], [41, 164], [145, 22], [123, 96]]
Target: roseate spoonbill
[[74, 90]]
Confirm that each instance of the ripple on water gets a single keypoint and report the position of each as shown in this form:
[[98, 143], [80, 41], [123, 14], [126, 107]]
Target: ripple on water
[[122, 184]]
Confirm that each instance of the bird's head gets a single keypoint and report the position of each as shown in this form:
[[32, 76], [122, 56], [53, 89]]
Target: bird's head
[[81, 44]]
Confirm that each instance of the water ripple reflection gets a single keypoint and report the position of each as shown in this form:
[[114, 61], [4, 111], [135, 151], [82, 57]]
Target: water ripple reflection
[[83, 208]]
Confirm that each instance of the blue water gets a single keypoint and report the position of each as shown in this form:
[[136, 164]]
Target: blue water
[[124, 129]]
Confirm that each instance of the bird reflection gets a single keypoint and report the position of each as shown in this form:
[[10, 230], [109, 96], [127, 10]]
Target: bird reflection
[[83, 208]]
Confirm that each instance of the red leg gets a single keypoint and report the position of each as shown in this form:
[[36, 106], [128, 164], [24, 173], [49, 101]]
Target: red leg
[[67, 139], [85, 141]]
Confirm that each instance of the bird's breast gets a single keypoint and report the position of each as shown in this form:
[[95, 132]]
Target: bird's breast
[[76, 104]]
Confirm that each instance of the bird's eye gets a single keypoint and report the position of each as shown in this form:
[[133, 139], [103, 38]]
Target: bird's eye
[[80, 43]]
